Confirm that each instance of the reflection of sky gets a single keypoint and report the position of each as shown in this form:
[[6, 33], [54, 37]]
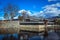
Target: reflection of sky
[[31, 5]]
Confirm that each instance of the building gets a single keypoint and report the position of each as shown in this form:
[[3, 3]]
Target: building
[[34, 26], [28, 25]]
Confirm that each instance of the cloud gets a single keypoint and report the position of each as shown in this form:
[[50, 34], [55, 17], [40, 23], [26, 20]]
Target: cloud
[[31, 13], [27, 12], [35, 14], [53, 5], [1, 18], [53, 0], [16, 17], [51, 10], [48, 11], [38, 13], [20, 11]]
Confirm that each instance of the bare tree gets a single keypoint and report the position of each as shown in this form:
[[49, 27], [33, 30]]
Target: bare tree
[[10, 11], [6, 16], [23, 14], [20, 18]]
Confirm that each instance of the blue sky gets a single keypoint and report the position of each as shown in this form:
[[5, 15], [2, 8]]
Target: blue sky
[[45, 8]]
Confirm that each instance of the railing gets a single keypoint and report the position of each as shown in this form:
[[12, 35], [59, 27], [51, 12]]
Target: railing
[[35, 23]]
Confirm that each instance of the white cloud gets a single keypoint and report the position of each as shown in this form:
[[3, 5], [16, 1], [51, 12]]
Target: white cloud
[[1, 18], [53, 0], [52, 9], [16, 17], [20, 11], [37, 14], [48, 10], [52, 5], [27, 12]]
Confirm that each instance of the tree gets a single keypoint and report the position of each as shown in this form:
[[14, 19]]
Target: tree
[[23, 14], [6, 16], [10, 11], [55, 21], [59, 15], [20, 18], [58, 21]]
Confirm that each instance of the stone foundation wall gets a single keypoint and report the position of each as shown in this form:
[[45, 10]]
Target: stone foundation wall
[[10, 26]]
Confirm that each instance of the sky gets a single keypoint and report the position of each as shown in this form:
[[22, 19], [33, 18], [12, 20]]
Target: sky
[[45, 8]]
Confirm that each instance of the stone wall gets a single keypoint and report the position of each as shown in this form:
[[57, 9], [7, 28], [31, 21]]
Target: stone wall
[[10, 26], [14, 26]]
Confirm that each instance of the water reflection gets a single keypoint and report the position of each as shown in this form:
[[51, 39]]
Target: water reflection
[[8, 36], [51, 36]]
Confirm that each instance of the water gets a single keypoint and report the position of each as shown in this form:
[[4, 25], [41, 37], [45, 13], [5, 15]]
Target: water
[[8, 36], [51, 36], [1, 37], [35, 38]]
